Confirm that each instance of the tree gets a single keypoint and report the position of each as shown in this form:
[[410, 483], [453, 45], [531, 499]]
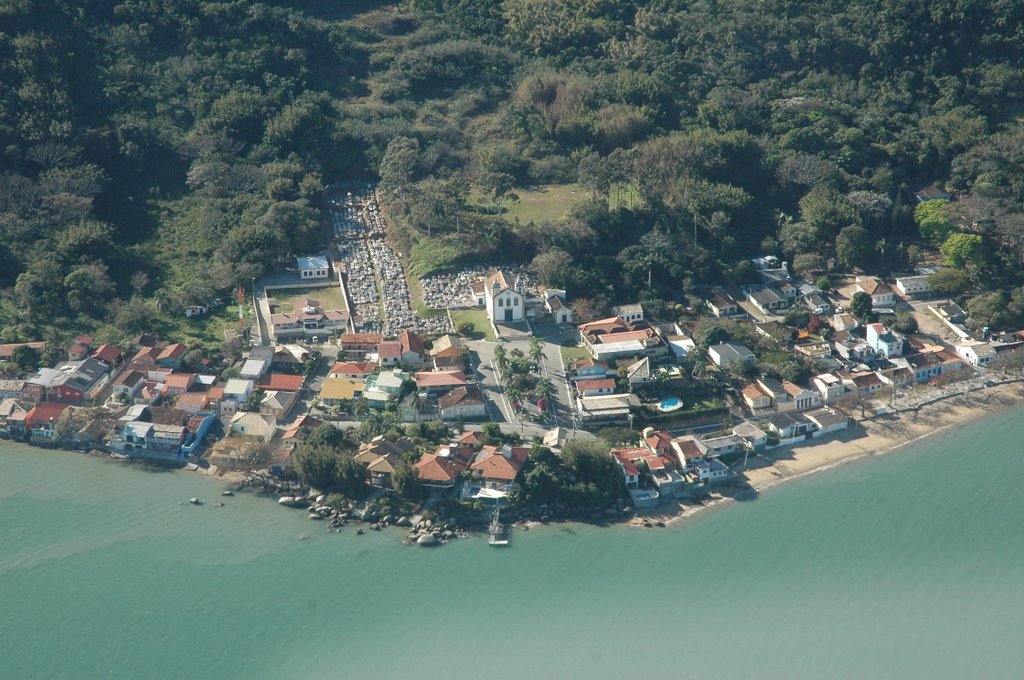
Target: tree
[[949, 282], [26, 358], [398, 166], [853, 246], [406, 481], [808, 264], [536, 353], [417, 402], [326, 435], [861, 305], [903, 322], [964, 251], [933, 220]]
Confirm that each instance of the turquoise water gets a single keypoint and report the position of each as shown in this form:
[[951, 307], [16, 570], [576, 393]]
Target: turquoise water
[[670, 403], [904, 566]]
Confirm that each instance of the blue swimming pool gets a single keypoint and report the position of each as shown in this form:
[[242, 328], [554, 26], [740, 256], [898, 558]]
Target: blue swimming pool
[[670, 404]]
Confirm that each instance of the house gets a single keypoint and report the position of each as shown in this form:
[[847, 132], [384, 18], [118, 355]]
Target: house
[[754, 437], [253, 425], [724, 445], [7, 349], [462, 402], [853, 349], [438, 382], [913, 286], [277, 403], [951, 312], [629, 313], [830, 387], [238, 390], [171, 356], [12, 389], [721, 303], [45, 422], [885, 343], [630, 473], [844, 322], [338, 391], [78, 351], [447, 352], [757, 400], [505, 298], [613, 338], [383, 446], [151, 440], [388, 354], [977, 353], [313, 267], [662, 469], [412, 350], [788, 426], [440, 469], [385, 386], [768, 299], [639, 372], [730, 353], [252, 369], [592, 387], [356, 345], [496, 469], [289, 358], [282, 382], [657, 441], [108, 354], [931, 193], [146, 356], [818, 303], [688, 449], [177, 384], [588, 368], [881, 294], [312, 321], [932, 364], [865, 383], [351, 369], [11, 412], [803, 398], [382, 468], [555, 305], [193, 402], [827, 421], [607, 407], [73, 381]]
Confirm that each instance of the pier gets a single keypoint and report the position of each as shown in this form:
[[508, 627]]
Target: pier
[[496, 531]]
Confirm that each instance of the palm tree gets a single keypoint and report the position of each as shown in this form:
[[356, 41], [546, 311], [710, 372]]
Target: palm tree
[[500, 358], [543, 390], [417, 402], [514, 396], [536, 350], [880, 246]]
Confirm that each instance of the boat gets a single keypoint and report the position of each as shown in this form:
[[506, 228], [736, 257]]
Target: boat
[[195, 500], [228, 492], [118, 456]]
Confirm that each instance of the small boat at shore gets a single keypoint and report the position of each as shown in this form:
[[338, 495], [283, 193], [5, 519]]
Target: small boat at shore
[[118, 456], [227, 492], [195, 500]]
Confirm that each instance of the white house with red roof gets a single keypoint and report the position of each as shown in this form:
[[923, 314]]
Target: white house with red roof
[[495, 471], [504, 297]]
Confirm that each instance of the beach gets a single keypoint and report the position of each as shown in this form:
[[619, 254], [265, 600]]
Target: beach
[[870, 436]]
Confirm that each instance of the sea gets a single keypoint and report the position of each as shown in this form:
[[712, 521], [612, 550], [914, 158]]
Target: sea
[[907, 565]]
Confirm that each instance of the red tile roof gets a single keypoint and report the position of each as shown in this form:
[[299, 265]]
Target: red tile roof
[[42, 413], [627, 464], [173, 351], [432, 467], [180, 380], [107, 353], [281, 382], [389, 349], [353, 368], [8, 349], [492, 463], [595, 384], [360, 338], [440, 378], [461, 396]]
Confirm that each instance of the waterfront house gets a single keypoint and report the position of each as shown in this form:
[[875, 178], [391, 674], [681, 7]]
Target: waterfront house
[[253, 425], [730, 353], [496, 468], [827, 421], [300, 427], [143, 439], [755, 438], [383, 446], [11, 412], [976, 353], [12, 389], [45, 422], [790, 425], [440, 469], [630, 473], [802, 397], [462, 402], [864, 383], [313, 267], [757, 400]]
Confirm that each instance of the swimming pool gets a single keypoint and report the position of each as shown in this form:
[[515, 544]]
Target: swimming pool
[[670, 404]]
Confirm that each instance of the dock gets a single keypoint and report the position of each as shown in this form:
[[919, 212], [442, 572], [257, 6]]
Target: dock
[[496, 531]]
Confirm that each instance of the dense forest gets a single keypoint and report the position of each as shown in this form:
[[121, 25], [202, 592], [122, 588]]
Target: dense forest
[[156, 154]]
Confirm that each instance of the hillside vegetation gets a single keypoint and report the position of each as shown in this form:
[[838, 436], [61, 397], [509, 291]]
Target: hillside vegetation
[[156, 154]]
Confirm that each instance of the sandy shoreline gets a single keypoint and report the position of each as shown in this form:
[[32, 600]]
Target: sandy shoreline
[[869, 437]]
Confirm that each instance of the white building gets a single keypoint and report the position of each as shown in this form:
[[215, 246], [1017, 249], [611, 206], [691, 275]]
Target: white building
[[881, 294], [829, 386], [883, 341], [977, 353], [629, 313], [313, 267], [504, 299], [729, 353]]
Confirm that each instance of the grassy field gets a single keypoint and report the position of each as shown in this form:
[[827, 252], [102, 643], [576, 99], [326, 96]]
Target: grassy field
[[477, 317], [536, 204], [207, 330], [573, 353], [287, 300]]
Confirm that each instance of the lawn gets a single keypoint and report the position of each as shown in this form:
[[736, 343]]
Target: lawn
[[287, 300], [207, 330], [536, 204], [573, 353], [481, 324]]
